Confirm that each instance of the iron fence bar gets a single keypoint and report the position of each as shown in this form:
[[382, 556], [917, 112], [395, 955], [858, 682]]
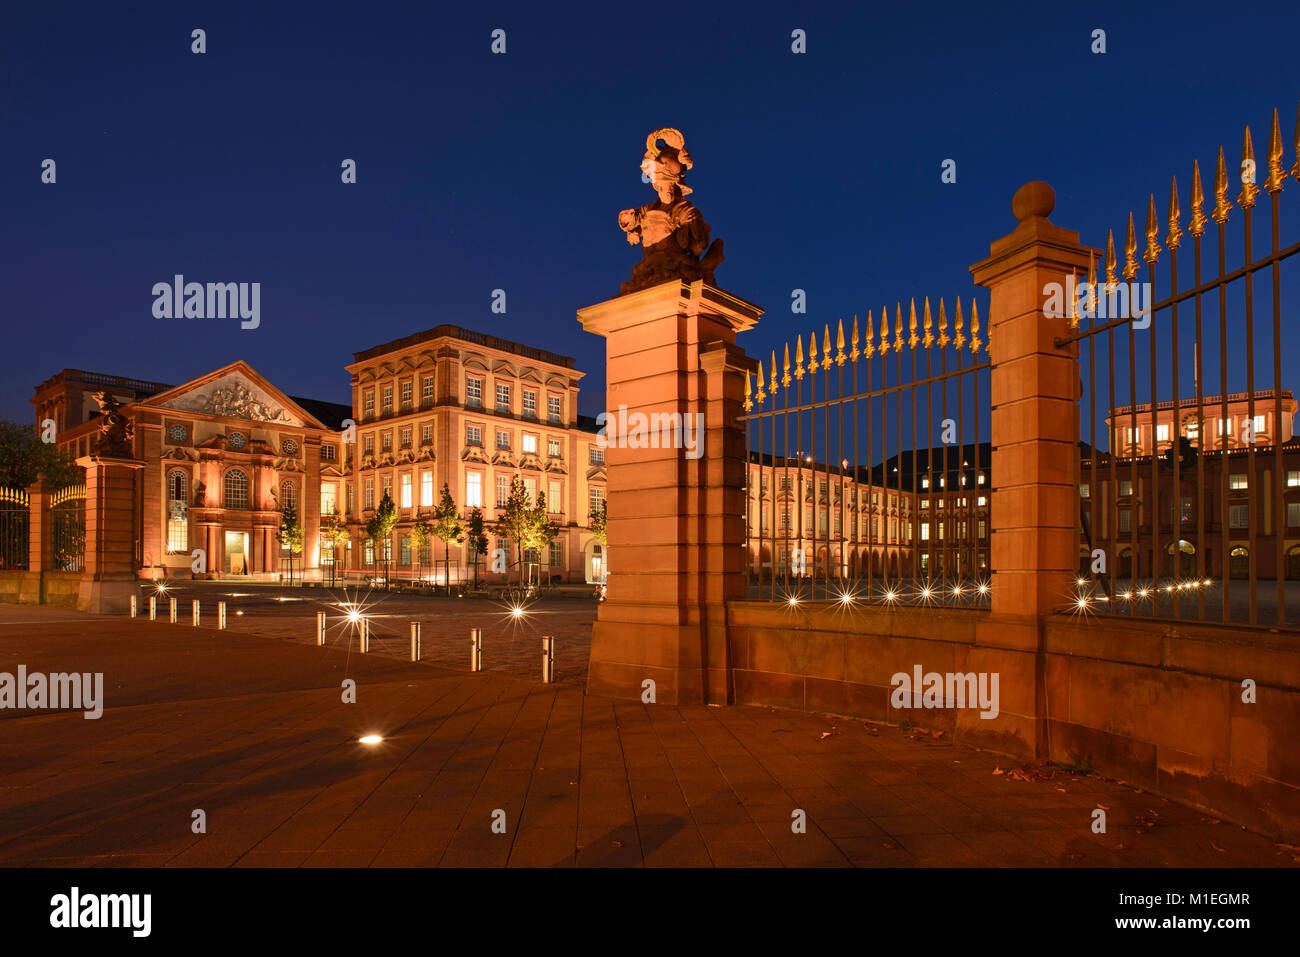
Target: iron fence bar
[[1154, 510], [1279, 509], [1175, 430], [811, 406], [1225, 558], [1135, 514], [1224, 278], [1251, 485], [1200, 434]]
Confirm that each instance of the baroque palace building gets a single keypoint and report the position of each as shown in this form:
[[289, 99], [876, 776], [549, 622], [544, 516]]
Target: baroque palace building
[[226, 452]]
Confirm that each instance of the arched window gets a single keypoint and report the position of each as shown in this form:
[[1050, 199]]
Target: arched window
[[178, 500], [1239, 562], [236, 490], [289, 495]]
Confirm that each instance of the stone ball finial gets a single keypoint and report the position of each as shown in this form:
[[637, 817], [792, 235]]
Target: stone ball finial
[[1033, 199]]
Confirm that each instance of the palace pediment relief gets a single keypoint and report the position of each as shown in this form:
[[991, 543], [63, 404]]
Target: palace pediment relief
[[180, 454], [530, 462], [556, 466], [472, 453], [236, 396], [503, 457], [596, 473]]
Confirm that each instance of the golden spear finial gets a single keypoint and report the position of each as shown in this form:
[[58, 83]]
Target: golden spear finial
[[912, 338], [974, 327], [1275, 171], [812, 352], [1175, 231], [1152, 252], [1130, 250], [898, 328], [854, 353], [1222, 206], [1071, 314], [1197, 226], [839, 344], [1295, 170], [748, 388], [928, 324], [869, 348], [958, 328], [943, 326], [1246, 198], [798, 356], [884, 331], [1111, 278], [826, 347], [762, 386], [773, 380], [785, 366]]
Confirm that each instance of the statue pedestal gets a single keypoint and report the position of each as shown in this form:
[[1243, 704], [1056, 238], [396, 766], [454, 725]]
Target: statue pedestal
[[675, 515], [109, 576]]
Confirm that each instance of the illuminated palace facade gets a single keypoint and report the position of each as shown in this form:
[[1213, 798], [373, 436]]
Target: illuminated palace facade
[[911, 517], [225, 453]]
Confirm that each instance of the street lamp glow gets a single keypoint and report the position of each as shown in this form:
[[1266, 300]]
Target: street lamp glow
[[517, 611], [370, 739], [354, 615]]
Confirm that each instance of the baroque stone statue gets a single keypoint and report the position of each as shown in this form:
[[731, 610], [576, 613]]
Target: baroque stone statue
[[116, 433], [673, 235]]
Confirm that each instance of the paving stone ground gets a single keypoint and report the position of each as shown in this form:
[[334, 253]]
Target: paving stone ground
[[252, 730]]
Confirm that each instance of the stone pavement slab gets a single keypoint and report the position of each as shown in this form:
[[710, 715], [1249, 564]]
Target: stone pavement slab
[[254, 732]]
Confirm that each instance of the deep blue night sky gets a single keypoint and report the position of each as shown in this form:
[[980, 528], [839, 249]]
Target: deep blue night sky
[[475, 172]]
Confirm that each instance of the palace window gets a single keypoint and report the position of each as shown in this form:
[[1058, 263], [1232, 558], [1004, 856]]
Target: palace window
[[553, 408], [406, 437], [406, 395], [236, 489], [503, 397], [426, 489], [473, 435], [530, 444], [370, 444], [530, 404], [386, 407], [387, 442], [1162, 433], [503, 440], [553, 448], [406, 490], [368, 405], [178, 499], [426, 393], [474, 393], [1293, 514], [1125, 488], [1238, 516], [595, 499], [530, 487], [503, 490], [473, 490], [554, 497], [387, 481], [1292, 478], [368, 496], [328, 499], [597, 456], [557, 554], [327, 453], [288, 495], [1126, 520], [426, 434], [1237, 482]]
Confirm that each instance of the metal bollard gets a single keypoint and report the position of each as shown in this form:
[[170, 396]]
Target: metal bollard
[[365, 635], [415, 641], [548, 659], [135, 602], [173, 610], [221, 615], [476, 649], [153, 607], [195, 609], [320, 627]]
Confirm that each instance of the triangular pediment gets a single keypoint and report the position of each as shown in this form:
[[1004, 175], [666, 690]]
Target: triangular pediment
[[235, 391]]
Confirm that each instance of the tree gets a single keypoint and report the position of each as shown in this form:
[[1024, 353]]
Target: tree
[[421, 536], [379, 529], [334, 535], [23, 455], [525, 523], [476, 539], [290, 535], [448, 528], [596, 524]]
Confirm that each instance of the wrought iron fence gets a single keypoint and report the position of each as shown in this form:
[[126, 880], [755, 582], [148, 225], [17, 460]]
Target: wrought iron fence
[[15, 526], [68, 523], [1189, 501], [857, 507]]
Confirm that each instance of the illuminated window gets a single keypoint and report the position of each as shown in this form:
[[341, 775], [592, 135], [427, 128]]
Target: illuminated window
[[553, 408], [236, 489], [530, 444], [474, 393], [288, 495], [386, 407], [387, 441], [473, 490], [406, 394], [178, 498], [406, 490], [503, 397], [530, 404], [1237, 482], [426, 489]]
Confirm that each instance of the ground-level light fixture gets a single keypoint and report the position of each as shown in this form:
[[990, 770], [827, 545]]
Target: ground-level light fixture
[[370, 739]]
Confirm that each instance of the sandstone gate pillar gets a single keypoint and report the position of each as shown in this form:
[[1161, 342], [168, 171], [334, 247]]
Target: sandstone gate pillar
[[675, 515], [109, 576], [1034, 432]]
